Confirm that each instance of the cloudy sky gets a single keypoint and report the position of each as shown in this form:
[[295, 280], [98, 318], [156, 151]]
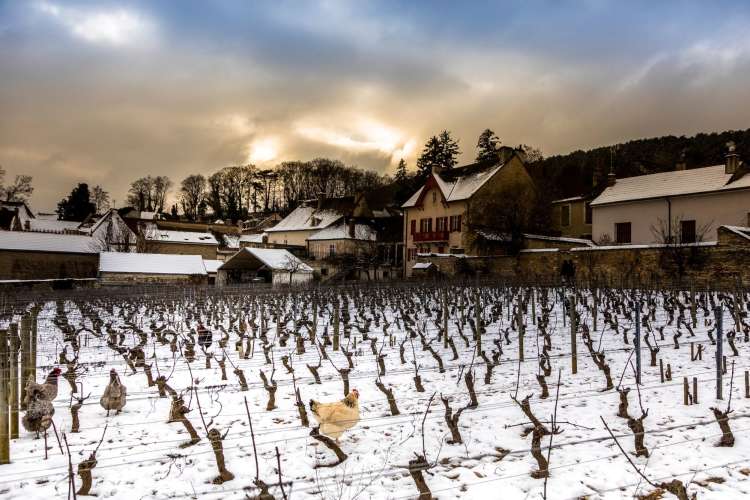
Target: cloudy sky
[[105, 92]]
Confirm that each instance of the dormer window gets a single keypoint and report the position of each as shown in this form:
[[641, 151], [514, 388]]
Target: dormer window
[[314, 221]]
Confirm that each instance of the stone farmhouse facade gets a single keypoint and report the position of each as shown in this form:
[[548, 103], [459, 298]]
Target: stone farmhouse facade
[[436, 216]]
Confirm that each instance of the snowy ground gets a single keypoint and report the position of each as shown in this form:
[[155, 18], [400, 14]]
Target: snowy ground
[[142, 457]]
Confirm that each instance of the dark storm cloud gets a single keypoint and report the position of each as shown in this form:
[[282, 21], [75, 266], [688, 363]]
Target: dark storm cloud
[[106, 92]]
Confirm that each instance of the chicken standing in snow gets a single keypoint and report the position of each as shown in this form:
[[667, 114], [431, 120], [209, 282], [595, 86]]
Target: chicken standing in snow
[[114, 394], [335, 418], [46, 391], [39, 410]]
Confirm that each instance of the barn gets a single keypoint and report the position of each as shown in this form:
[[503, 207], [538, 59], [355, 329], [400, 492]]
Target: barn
[[263, 265], [120, 268]]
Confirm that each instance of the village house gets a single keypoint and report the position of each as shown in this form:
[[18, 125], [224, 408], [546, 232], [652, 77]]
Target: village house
[[681, 206], [572, 217], [436, 216], [45, 256], [120, 268], [309, 218], [164, 241]]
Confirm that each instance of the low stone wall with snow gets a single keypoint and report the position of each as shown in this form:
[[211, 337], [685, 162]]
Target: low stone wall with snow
[[723, 263]]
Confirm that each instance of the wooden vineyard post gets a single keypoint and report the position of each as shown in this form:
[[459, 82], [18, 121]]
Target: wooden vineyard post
[[336, 324], [533, 307], [521, 334], [637, 342], [573, 328], [4, 420], [28, 367], [13, 381], [685, 391], [594, 311], [719, 351], [445, 318], [747, 384], [478, 321], [33, 331]]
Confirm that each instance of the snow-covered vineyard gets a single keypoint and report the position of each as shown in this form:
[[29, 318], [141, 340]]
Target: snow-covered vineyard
[[219, 386]]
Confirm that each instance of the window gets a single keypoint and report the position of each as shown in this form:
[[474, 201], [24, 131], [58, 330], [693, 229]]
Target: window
[[425, 225], [455, 223], [565, 216], [434, 197], [687, 231], [622, 232], [411, 254], [324, 271], [331, 250], [413, 227], [440, 249], [441, 224], [587, 213]]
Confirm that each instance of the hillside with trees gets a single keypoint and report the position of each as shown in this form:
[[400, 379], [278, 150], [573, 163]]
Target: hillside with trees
[[582, 172]]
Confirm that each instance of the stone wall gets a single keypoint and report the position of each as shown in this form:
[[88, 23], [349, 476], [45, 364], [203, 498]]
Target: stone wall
[[150, 279], [208, 252], [47, 265], [726, 263]]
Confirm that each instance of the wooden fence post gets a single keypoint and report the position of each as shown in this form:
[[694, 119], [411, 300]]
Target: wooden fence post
[[336, 324], [719, 351], [685, 391], [521, 334], [695, 390], [4, 420], [445, 318], [25, 360], [573, 328], [13, 380], [637, 342], [747, 384]]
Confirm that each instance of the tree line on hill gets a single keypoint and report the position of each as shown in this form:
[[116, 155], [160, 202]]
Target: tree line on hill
[[234, 192]]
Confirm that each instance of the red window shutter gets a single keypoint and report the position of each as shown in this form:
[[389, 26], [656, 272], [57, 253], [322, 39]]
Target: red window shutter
[[413, 227]]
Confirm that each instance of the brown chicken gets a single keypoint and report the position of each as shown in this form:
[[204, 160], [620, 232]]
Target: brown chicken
[[39, 411], [336, 418], [46, 390], [115, 394]]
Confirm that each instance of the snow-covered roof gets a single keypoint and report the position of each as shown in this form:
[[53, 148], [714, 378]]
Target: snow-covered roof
[[462, 187], [340, 231], [212, 265], [675, 183], [739, 231], [150, 263], [422, 265], [38, 224], [187, 237], [306, 218], [252, 238], [645, 246], [47, 242], [231, 240], [561, 239], [568, 200], [274, 259]]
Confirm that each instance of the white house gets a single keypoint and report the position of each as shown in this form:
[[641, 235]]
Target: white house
[[679, 206]]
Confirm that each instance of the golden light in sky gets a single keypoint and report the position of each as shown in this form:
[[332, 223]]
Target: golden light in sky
[[263, 150]]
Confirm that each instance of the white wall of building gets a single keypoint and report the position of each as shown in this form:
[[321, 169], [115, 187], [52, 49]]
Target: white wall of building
[[708, 210]]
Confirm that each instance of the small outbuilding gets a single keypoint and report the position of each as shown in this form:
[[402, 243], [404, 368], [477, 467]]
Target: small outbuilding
[[121, 268], [264, 265]]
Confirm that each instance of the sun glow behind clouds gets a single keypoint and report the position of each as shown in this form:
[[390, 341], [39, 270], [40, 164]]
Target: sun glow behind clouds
[[363, 136], [116, 27], [263, 150]]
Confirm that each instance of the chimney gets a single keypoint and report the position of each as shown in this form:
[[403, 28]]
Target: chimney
[[27, 225], [681, 163], [320, 201], [611, 179], [437, 170], [732, 159]]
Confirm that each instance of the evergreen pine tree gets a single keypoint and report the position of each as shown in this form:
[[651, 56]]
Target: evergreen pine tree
[[432, 156], [401, 175], [78, 205], [449, 150], [488, 146]]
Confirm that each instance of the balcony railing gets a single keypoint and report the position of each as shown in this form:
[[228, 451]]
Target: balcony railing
[[431, 236]]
